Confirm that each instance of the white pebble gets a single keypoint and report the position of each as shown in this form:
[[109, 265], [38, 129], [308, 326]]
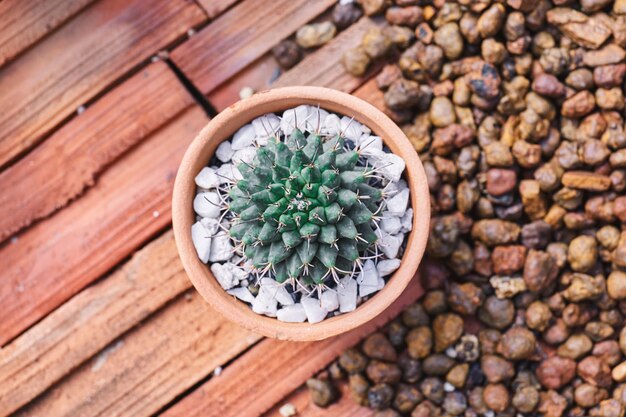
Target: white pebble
[[244, 155], [207, 204], [201, 241], [331, 125], [451, 352], [407, 221], [221, 248], [369, 276], [228, 172], [387, 266], [224, 151], [314, 312], [224, 276], [390, 244], [243, 138], [369, 144], [265, 303], [242, 293], [390, 224], [346, 291], [352, 129], [291, 314], [207, 178], [389, 165], [237, 272], [316, 118], [246, 92], [211, 225], [397, 204], [265, 127], [394, 187], [330, 301], [448, 387], [298, 114], [287, 410], [279, 291]]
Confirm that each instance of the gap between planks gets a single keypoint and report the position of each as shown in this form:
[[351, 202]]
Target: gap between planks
[[51, 80]]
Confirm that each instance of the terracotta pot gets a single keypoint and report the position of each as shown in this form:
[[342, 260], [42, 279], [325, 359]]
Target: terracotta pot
[[223, 127]]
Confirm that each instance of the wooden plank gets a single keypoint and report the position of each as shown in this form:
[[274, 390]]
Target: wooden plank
[[370, 92], [324, 67], [224, 47], [267, 373], [68, 162], [257, 75], [90, 321], [147, 368], [73, 64], [57, 257], [24, 22], [344, 407], [214, 8]]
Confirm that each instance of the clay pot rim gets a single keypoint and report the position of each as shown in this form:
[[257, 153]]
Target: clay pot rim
[[221, 128]]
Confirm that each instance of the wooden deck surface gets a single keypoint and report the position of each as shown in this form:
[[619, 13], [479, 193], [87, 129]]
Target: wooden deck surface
[[98, 102]]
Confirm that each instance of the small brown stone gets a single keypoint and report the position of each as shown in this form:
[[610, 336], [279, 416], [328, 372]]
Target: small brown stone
[[377, 346], [497, 313], [405, 16], [449, 38], [380, 396], [437, 364], [458, 375], [551, 404], [346, 14], [555, 372], [587, 395], [610, 54], [447, 329], [496, 368], [315, 34], [407, 397], [608, 76], [619, 372], [582, 253], [526, 398], [501, 181], [496, 397], [355, 61], [359, 385], [493, 232], [419, 342], [575, 346], [584, 287], [548, 85], [594, 371], [508, 259], [372, 7], [382, 372], [580, 104], [538, 316], [539, 270], [403, 94], [517, 343], [465, 298], [375, 43], [616, 285], [322, 391], [287, 54], [352, 361]]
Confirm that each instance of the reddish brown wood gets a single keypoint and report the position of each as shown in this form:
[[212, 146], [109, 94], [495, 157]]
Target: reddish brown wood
[[256, 76], [88, 322], [344, 407], [214, 8], [59, 256], [263, 376], [24, 22], [240, 36], [66, 164], [324, 67], [148, 367], [51, 80]]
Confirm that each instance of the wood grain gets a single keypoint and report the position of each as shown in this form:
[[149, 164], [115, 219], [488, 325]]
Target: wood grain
[[88, 322], [321, 68], [24, 22], [56, 258], [148, 367], [324, 68], [51, 80], [257, 76], [240, 36], [214, 8], [267, 373], [344, 407], [68, 162]]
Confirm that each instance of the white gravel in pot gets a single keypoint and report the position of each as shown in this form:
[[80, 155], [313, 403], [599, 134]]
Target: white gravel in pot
[[262, 293]]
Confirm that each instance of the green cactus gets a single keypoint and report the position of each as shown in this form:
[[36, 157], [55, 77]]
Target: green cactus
[[304, 210]]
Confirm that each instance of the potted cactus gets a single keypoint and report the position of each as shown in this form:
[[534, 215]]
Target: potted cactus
[[301, 212]]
